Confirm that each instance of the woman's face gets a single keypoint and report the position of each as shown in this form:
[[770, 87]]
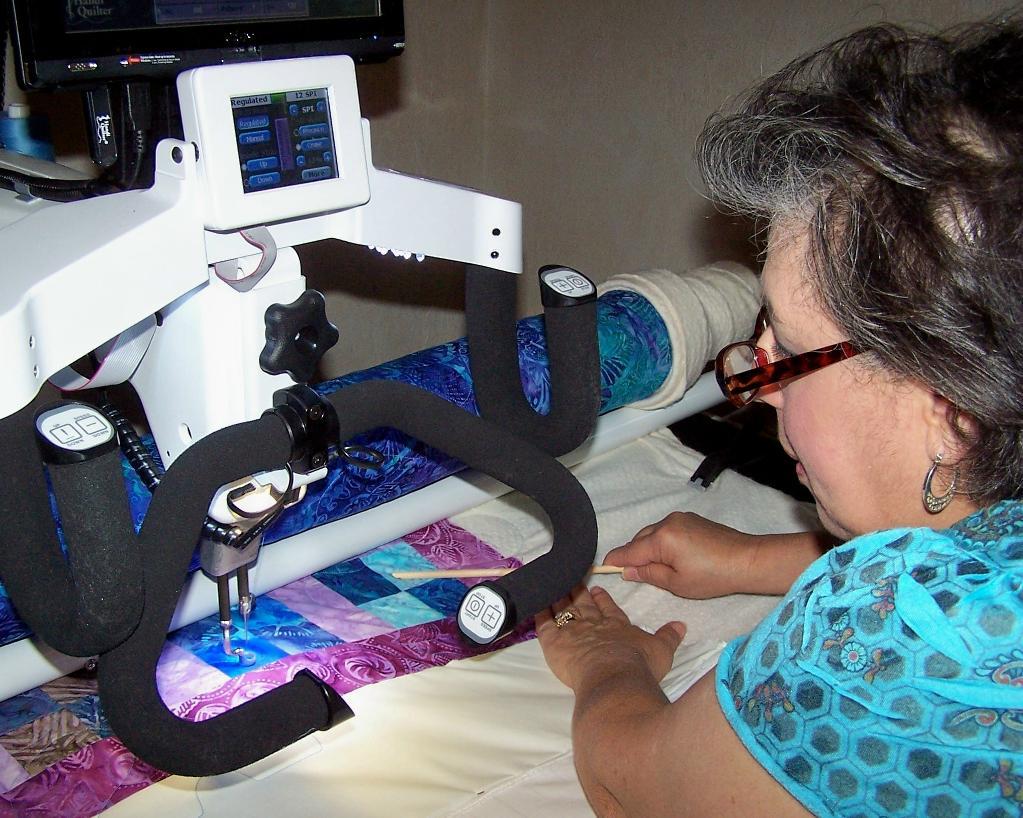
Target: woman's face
[[862, 439]]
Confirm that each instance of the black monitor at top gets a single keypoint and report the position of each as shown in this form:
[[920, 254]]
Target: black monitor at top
[[74, 43]]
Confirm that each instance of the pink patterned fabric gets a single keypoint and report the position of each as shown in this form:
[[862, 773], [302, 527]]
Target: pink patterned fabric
[[345, 667], [448, 546], [82, 784], [314, 602]]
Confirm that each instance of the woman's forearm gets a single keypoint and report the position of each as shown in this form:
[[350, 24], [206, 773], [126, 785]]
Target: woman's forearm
[[774, 561], [616, 710]]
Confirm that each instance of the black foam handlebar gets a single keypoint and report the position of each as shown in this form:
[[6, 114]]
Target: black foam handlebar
[[488, 447], [573, 356], [90, 601], [127, 674]]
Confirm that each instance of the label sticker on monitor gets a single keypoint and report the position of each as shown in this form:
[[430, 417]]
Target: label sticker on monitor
[[284, 139]]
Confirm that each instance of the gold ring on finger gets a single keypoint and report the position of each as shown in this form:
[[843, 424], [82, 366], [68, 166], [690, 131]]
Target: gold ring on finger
[[564, 617]]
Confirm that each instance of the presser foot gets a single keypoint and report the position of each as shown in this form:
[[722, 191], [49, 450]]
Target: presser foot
[[245, 657]]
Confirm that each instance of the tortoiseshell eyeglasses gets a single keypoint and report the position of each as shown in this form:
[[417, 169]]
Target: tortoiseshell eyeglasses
[[743, 368]]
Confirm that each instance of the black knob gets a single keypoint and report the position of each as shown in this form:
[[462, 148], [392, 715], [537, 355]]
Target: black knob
[[297, 336]]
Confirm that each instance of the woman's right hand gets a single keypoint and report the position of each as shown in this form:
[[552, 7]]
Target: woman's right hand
[[697, 558], [688, 555]]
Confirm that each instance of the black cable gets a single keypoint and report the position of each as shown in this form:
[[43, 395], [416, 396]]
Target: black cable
[[132, 447], [150, 473], [56, 190], [139, 142], [278, 505], [140, 127], [137, 114], [137, 111]]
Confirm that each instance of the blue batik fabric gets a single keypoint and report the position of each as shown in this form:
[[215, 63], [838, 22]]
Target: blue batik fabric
[[889, 680]]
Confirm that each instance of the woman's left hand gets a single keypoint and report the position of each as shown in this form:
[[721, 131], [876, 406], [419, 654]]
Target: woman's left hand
[[596, 635]]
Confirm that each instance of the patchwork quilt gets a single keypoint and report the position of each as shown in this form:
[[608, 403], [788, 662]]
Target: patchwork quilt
[[351, 624]]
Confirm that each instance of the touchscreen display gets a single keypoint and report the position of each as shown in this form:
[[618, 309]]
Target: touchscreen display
[[284, 139]]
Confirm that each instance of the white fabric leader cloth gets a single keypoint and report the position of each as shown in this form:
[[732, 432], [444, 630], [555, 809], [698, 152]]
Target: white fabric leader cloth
[[704, 309]]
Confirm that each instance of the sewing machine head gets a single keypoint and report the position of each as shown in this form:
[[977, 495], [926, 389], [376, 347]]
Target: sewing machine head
[[179, 278], [190, 290]]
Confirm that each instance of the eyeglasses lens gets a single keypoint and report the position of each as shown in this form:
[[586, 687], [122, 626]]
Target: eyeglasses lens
[[741, 358]]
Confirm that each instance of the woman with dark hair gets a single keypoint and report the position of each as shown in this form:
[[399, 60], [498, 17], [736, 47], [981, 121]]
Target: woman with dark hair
[[888, 171]]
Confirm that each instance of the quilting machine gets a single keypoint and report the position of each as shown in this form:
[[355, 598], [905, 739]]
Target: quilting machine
[[192, 291], [275, 155]]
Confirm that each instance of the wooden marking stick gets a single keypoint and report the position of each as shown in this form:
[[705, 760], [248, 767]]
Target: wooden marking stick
[[455, 573]]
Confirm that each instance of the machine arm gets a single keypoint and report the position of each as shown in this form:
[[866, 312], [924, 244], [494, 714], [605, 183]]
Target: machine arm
[[76, 274]]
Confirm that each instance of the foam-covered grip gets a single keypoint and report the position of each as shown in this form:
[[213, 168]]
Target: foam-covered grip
[[488, 447], [127, 675], [572, 352], [89, 602]]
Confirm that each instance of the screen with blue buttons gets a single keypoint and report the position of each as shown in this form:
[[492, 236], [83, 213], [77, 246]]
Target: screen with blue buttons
[[284, 138]]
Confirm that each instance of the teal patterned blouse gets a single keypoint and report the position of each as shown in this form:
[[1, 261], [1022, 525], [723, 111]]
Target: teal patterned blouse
[[889, 680]]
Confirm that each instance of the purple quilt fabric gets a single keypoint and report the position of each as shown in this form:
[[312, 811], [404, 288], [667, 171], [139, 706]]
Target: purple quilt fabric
[[352, 624]]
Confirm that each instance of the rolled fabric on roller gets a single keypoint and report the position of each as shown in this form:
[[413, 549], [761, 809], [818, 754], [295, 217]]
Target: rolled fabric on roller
[[703, 310], [656, 331]]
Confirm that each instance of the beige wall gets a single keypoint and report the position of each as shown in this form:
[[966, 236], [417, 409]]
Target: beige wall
[[596, 134], [583, 110]]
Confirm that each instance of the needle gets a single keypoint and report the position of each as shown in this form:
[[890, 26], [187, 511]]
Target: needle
[[244, 599], [455, 573]]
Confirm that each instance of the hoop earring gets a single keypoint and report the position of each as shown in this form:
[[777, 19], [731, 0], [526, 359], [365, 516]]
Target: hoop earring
[[938, 503]]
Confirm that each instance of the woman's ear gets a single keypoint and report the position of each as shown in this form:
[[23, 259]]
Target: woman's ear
[[948, 428]]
